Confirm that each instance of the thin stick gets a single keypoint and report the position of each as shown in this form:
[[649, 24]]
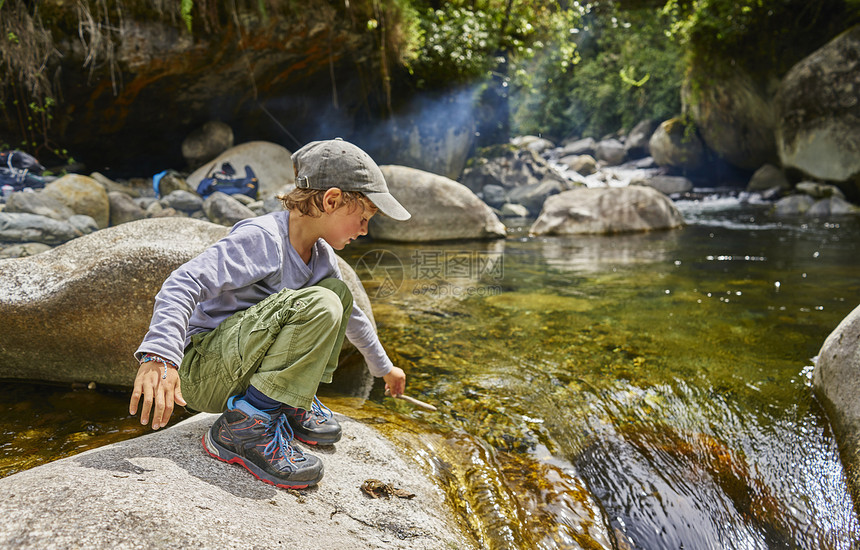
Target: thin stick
[[412, 400]]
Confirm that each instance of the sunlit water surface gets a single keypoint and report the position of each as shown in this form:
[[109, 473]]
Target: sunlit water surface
[[634, 391]]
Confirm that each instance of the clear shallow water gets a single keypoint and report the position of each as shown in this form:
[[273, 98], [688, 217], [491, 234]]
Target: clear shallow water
[[655, 383], [667, 372]]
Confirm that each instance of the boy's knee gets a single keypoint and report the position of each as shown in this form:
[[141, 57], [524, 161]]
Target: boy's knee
[[340, 289], [326, 303]]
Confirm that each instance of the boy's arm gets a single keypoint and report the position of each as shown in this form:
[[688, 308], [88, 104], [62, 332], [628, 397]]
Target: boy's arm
[[223, 266]]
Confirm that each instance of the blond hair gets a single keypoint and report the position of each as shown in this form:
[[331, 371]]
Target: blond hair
[[310, 201]]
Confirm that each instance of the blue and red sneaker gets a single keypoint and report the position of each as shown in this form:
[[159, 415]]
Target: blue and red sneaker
[[261, 443], [315, 427]]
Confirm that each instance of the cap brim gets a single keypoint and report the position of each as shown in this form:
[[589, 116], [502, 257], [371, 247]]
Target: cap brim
[[389, 206]]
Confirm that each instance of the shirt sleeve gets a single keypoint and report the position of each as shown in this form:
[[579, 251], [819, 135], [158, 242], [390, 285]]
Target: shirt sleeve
[[361, 332], [233, 262]]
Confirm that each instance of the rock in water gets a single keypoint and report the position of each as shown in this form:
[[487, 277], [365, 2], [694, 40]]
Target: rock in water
[[607, 210], [441, 209], [836, 379]]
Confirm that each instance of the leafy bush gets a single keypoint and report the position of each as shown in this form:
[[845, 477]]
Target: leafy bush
[[627, 71]]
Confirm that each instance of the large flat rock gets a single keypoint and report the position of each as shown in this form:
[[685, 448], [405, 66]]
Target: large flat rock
[[76, 313], [163, 491]]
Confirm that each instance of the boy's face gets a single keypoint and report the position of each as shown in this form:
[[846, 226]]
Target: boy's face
[[346, 223]]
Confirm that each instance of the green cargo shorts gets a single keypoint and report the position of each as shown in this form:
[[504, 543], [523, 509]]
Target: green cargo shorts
[[284, 346]]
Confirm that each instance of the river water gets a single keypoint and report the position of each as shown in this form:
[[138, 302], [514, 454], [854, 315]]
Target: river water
[[667, 374], [630, 391]]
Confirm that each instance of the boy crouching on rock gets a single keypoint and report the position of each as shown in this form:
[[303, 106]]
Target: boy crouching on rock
[[250, 327]]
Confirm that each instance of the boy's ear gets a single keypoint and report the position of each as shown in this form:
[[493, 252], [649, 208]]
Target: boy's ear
[[332, 199]]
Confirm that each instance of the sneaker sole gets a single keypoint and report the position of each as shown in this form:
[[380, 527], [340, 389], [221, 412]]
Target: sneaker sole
[[324, 441], [215, 450]]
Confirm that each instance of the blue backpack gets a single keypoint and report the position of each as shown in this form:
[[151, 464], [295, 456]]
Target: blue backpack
[[226, 181]]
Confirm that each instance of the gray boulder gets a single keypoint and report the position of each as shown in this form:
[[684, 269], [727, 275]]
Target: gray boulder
[[83, 195], [836, 379], [123, 209], [23, 228], [671, 146], [636, 145], [38, 203], [84, 224], [734, 114], [182, 200], [819, 190], [206, 143], [76, 313], [533, 196], [584, 146], [668, 185], [819, 114], [162, 491], [22, 250], [494, 195], [831, 206], [584, 165], [606, 210], [510, 210], [130, 189], [173, 181], [510, 169], [610, 151], [536, 144], [441, 209], [223, 209], [768, 177], [271, 164], [793, 205]]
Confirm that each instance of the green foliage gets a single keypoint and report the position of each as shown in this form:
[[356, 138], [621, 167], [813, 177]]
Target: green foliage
[[762, 37], [627, 71], [457, 46], [185, 11]]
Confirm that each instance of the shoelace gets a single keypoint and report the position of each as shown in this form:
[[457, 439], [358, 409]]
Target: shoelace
[[281, 442], [322, 412]]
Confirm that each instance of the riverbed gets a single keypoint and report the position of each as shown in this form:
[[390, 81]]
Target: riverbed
[[657, 384]]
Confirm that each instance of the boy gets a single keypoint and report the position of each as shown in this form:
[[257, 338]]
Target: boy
[[251, 326]]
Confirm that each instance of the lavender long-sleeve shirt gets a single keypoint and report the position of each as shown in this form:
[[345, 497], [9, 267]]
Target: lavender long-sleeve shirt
[[254, 261]]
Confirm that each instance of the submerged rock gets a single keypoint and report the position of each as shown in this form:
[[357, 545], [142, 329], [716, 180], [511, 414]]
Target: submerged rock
[[607, 210]]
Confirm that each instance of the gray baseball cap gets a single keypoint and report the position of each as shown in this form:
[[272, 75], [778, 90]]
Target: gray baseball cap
[[339, 163]]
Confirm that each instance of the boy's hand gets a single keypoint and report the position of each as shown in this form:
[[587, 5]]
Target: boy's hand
[[395, 381], [156, 390]]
